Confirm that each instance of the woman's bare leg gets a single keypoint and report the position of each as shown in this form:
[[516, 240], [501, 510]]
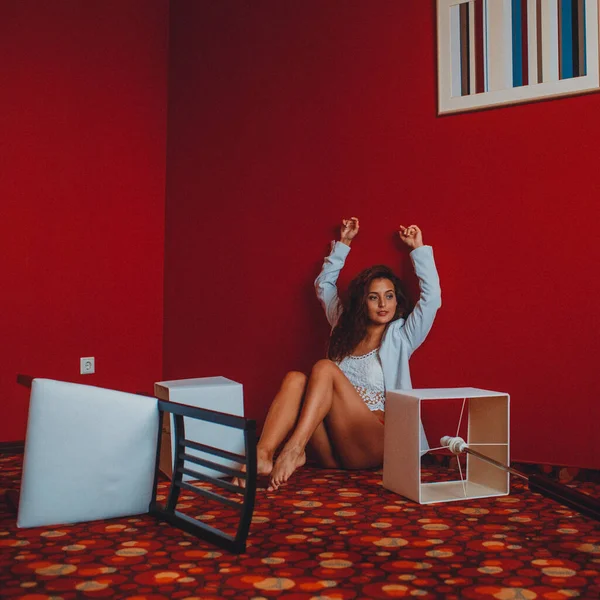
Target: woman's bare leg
[[281, 418], [321, 448], [355, 432]]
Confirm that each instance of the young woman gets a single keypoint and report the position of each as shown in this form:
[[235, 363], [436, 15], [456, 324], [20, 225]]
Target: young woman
[[338, 411]]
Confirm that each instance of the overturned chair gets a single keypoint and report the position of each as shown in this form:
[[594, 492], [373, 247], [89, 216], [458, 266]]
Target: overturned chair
[[93, 453]]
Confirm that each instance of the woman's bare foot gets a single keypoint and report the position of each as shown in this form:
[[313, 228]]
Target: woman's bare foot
[[290, 459], [264, 466]]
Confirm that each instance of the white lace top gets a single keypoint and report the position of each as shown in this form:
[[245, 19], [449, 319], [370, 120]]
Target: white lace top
[[366, 375]]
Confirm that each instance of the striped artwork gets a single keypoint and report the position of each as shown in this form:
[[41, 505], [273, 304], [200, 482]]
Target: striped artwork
[[534, 48]]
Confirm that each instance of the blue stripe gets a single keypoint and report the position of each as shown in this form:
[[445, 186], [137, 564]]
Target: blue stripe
[[566, 58], [517, 44]]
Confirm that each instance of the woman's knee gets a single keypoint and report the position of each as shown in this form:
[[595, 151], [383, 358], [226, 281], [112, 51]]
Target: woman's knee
[[323, 366], [294, 379]]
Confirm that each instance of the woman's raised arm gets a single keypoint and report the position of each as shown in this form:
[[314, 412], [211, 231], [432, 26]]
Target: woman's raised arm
[[420, 320], [326, 282]]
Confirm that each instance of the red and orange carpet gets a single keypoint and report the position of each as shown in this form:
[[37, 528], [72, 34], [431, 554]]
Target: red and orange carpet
[[325, 535]]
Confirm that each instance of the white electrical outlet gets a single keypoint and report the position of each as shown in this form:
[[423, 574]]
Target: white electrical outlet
[[87, 365]]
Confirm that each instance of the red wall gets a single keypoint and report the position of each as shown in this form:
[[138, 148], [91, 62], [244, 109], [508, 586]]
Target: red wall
[[285, 117], [82, 176]]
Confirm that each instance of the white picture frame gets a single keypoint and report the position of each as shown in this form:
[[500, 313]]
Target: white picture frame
[[542, 55]]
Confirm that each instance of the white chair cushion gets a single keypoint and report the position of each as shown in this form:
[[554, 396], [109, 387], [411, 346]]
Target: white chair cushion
[[89, 454]]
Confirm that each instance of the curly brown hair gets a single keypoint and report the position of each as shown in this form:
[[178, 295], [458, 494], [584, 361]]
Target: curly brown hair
[[352, 325]]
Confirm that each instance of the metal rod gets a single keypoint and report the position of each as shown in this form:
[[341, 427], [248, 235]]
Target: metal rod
[[496, 463], [582, 503]]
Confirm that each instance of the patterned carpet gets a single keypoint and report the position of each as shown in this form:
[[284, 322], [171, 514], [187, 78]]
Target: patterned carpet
[[326, 535]]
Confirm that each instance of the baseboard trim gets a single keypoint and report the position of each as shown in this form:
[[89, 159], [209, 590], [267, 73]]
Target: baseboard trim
[[12, 447]]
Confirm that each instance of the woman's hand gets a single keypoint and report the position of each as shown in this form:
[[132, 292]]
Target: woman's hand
[[411, 236], [349, 230]]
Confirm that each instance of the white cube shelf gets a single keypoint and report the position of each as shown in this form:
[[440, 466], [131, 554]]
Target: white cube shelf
[[488, 415], [214, 393]]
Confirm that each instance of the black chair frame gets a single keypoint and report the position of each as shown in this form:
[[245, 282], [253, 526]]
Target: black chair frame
[[169, 513]]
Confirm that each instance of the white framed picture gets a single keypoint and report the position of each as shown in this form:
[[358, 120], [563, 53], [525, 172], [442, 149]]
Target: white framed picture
[[498, 52]]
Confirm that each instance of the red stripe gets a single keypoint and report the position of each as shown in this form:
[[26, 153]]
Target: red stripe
[[560, 39], [479, 55], [464, 49]]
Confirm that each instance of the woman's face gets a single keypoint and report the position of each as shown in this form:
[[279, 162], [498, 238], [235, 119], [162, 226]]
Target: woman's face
[[381, 301]]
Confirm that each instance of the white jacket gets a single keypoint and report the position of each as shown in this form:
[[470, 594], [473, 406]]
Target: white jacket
[[403, 336]]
